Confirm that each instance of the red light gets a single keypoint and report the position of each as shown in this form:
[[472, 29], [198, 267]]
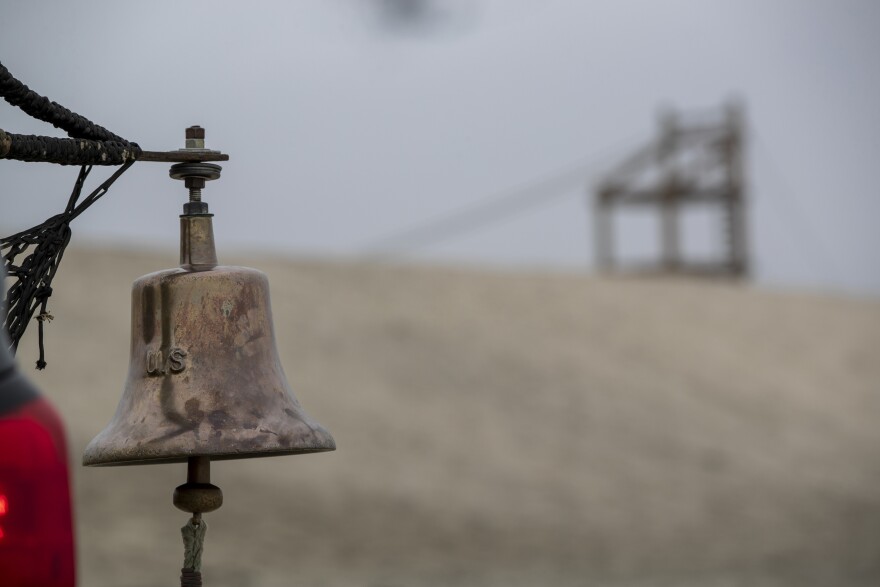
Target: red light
[[36, 540]]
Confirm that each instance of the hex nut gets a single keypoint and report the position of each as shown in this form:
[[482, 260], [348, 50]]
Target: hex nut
[[195, 132]]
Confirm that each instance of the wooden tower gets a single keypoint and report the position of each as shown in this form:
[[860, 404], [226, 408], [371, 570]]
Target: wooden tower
[[697, 161]]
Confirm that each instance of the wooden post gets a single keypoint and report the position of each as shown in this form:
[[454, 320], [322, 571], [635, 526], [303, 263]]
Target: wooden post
[[669, 230], [604, 230], [734, 202], [670, 252]]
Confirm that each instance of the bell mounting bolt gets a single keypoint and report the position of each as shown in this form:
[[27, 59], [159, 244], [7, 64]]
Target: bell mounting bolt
[[197, 251], [195, 173]]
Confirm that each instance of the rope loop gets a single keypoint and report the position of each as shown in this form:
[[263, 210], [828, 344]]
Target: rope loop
[[43, 245], [42, 248]]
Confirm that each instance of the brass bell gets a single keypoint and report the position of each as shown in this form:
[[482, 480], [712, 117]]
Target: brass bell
[[204, 377]]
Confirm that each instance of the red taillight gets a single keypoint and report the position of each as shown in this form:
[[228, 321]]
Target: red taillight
[[4, 505], [36, 530]]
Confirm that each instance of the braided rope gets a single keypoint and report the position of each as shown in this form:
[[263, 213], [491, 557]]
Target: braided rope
[[97, 145], [66, 151], [41, 108]]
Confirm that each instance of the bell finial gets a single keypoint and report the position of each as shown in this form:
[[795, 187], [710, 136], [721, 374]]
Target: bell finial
[[197, 250]]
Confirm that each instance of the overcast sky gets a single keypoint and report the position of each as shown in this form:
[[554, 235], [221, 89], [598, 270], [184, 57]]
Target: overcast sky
[[349, 120]]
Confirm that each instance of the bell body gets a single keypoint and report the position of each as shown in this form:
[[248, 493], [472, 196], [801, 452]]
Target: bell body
[[204, 375]]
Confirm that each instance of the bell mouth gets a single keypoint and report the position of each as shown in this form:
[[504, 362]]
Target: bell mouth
[[105, 450]]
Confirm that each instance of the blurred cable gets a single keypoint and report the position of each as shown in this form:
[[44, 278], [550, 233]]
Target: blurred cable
[[489, 210], [811, 247]]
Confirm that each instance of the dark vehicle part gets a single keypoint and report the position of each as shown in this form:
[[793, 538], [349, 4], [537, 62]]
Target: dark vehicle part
[[36, 526]]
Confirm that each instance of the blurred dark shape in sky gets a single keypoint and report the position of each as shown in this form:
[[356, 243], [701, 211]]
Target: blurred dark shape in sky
[[407, 11], [422, 16]]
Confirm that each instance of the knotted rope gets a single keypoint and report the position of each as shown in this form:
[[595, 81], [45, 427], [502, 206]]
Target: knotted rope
[[43, 245], [193, 543]]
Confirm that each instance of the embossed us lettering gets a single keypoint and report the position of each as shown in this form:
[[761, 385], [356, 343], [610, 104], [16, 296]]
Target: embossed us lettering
[[163, 362]]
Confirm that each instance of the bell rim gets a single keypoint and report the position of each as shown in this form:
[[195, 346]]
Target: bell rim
[[221, 456]]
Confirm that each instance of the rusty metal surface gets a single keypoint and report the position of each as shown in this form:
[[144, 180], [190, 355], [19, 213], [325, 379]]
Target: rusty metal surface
[[204, 376]]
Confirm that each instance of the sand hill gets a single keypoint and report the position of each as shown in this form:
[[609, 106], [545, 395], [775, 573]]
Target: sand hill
[[505, 429]]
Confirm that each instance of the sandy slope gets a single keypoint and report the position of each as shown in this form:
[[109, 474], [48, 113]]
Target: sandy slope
[[506, 429]]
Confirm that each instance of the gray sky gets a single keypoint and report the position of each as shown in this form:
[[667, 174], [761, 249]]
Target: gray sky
[[345, 126]]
